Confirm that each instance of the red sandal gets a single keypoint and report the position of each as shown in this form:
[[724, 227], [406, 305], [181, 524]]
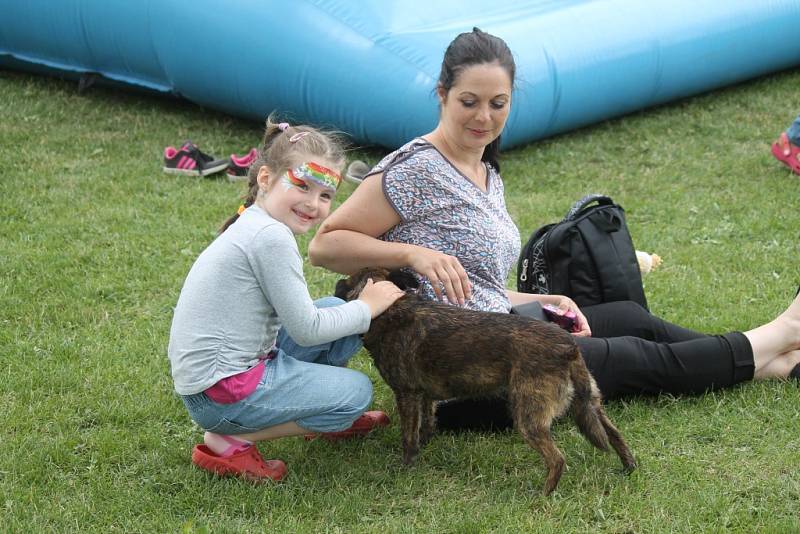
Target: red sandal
[[360, 427], [247, 464], [787, 153]]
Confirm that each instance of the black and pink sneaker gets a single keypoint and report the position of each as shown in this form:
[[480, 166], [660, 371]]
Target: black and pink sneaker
[[189, 161], [239, 166]]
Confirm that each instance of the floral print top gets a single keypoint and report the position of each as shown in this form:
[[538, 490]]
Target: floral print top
[[441, 209]]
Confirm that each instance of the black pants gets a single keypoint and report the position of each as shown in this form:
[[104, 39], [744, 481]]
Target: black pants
[[631, 352]]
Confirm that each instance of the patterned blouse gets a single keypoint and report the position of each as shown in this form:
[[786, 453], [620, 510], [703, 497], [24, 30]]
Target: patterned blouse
[[441, 209]]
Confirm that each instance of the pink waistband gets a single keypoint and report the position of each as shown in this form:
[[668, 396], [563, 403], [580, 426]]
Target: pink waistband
[[237, 387]]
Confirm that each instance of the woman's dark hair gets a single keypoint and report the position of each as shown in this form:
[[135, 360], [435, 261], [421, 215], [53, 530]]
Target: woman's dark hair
[[477, 48], [283, 149]]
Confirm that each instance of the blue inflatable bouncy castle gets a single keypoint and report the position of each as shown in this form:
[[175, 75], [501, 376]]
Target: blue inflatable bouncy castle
[[369, 67]]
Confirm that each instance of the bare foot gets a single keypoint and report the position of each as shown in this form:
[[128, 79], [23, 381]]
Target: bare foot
[[772, 341], [779, 367], [792, 321]]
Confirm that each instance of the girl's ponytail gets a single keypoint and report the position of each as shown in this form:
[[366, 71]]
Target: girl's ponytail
[[248, 201]]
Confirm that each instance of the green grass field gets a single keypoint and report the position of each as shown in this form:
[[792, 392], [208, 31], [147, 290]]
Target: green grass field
[[96, 242]]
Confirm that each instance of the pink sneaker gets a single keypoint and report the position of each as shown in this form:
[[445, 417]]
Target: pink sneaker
[[239, 166]]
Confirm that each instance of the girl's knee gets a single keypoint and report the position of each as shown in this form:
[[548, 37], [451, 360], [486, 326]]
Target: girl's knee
[[360, 392], [352, 397]]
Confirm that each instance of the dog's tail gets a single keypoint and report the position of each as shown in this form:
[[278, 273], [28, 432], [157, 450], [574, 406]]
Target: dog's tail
[[585, 405]]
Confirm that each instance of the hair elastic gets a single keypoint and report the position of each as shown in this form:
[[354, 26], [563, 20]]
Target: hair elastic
[[296, 137], [241, 210], [282, 126]]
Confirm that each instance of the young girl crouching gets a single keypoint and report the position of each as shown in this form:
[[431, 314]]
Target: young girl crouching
[[252, 356]]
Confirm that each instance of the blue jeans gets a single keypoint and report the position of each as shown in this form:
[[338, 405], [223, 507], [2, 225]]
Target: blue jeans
[[308, 385], [793, 133]]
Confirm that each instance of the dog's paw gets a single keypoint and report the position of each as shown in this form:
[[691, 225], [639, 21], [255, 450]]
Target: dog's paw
[[425, 437], [409, 457], [628, 466]]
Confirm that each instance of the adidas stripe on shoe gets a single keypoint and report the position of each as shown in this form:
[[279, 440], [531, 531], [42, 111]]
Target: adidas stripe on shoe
[[190, 161]]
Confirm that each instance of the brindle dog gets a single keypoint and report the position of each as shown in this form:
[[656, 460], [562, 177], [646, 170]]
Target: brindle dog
[[427, 351]]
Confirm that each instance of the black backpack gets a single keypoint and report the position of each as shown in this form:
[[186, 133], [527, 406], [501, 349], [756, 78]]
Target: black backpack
[[588, 256]]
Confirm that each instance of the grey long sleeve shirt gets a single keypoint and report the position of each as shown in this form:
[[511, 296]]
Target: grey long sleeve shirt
[[240, 291]]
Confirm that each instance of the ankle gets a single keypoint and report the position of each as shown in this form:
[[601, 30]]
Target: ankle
[[225, 446], [790, 323]]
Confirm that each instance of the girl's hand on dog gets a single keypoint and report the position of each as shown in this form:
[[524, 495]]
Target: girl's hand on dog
[[581, 324], [444, 272], [379, 296]]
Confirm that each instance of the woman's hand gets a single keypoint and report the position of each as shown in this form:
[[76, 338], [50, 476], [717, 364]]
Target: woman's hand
[[444, 272], [567, 304], [379, 296]]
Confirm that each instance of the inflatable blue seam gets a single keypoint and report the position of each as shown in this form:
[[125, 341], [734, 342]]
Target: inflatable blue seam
[[65, 67], [369, 68]]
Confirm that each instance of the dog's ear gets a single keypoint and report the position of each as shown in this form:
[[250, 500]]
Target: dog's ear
[[403, 279], [342, 288]]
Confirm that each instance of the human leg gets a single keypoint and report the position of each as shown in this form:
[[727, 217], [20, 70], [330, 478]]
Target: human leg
[[793, 133], [292, 398], [776, 344], [787, 148], [336, 352], [631, 352], [321, 398], [309, 390], [629, 365], [634, 366], [627, 318]]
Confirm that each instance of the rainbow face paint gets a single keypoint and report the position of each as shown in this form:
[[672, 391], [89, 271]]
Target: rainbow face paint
[[313, 172]]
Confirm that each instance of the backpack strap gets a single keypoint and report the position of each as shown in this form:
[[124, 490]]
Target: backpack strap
[[576, 208]]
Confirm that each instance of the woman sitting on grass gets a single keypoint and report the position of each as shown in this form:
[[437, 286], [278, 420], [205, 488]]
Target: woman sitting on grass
[[435, 206], [252, 356]]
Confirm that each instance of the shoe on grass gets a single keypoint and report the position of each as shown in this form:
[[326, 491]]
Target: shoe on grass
[[362, 426], [188, 160], [795, 373], [787, 153], [247, 464], [239, 166], [356, 172]]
